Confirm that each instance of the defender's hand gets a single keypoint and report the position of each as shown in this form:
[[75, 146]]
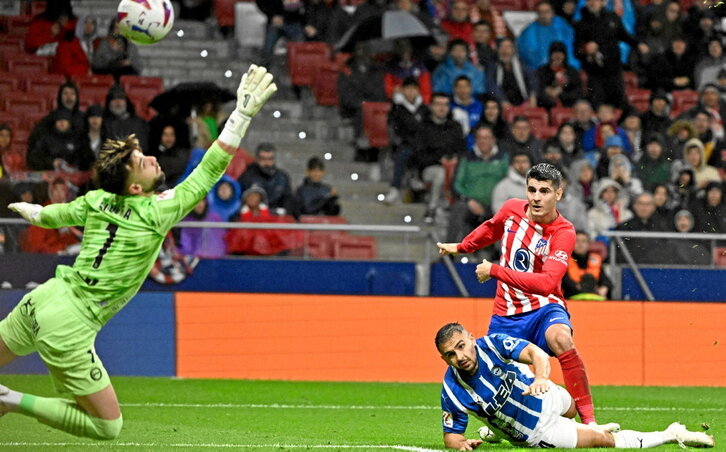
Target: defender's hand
[[255, 88], [30, 212]]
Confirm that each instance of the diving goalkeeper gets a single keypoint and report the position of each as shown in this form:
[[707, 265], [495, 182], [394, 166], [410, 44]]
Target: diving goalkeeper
[[125, 223]]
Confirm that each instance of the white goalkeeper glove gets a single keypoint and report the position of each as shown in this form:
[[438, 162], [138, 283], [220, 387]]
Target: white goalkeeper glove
[[31, 212], [254, 89]]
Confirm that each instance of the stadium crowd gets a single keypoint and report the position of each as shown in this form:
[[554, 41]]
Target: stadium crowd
[[627, 97]]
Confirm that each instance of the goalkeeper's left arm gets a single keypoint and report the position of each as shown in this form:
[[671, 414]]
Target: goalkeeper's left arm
[[53, 215]]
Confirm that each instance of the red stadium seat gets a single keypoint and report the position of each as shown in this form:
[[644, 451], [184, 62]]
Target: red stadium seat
[[631, 79], [224, 12], [638, 98], [304, 59], [36, 7], [30, 119], [142, 86], [558, 115], [16, 41], [322, 219], [239, 163], [45, 85], [325, 85], [93, 95], [7, 48], [354, 247], [28, 64], [9, 82], [84, 81], [20, 103], [537, 115], [14, 161], [20, 138], [684, 99], [544, 133], [375, 123], [719, 256], [10, 119]]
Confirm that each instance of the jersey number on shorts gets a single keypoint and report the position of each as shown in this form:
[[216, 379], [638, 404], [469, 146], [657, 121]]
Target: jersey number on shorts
[[111, 228]]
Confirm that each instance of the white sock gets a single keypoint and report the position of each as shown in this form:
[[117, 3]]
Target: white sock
[[11, 399], [630, 439]]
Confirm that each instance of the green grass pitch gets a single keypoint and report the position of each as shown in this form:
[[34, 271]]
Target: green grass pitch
[[177, 414]]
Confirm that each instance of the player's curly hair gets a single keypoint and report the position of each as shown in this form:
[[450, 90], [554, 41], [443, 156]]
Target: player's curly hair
[[445, 333], [112, 166]]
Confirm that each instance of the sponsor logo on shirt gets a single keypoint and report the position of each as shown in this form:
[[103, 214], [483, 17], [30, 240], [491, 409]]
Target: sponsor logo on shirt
[[521, 260], [168, 194], [559, 256], [447, 419]]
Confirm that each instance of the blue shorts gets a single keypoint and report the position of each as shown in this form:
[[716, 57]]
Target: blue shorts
[[532, 325]]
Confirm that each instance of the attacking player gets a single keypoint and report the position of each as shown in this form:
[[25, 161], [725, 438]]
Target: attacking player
[[536, 245], [527, 408], [125, 223]]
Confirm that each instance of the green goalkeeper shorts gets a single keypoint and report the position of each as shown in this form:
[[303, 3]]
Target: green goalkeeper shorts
[[44, 321]]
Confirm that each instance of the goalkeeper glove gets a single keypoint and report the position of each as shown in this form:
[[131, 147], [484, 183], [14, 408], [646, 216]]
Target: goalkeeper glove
[[254, 89], [31, 212]]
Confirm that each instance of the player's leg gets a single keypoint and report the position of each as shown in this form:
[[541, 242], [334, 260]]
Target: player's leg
[[588, 437]]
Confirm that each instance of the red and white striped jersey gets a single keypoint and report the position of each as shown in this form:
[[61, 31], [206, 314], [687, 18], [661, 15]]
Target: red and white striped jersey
[[534, 257]]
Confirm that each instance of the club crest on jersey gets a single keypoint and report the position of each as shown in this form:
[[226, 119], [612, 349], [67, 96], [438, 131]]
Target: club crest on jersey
[[168, 194], [541, 247]]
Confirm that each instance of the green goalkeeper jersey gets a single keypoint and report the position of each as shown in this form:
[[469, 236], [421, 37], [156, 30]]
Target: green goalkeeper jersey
[[122, 237]]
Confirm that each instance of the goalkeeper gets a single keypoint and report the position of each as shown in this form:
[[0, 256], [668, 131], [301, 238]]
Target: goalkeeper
[[125, 224]]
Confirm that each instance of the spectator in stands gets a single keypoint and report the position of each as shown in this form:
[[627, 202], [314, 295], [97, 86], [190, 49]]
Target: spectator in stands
[[314, 197], [64, 240], [703, 121], [558, 83], [535, 41], [585, 278], [583, 118], [609, 209], [87, 33], [93, 136], [476, 175], [49, 26], [594, 138], [115, 54], [199, 10], [597, 38], [632, 125], [484, 10], [404, 125], [284, 19], [457, 25], [70, 59], [67, 100], [565, 142], [207, 123], [620, 170], [203, 242], [710, 100], [318, 17], [613, 146], [700, 27], [674, 69], [654, 168], [6, 138], [402, 66], [664, 203], [657, 119], [60, 149], [512, 184], [465, 109], [709, 65], [571, 206], [684, 183], [170, 146], [360, 80], [695, 158], [522, 140], [440, 139], [509, 79], [482, 50], [274, 181], [347, 14], [710, 211], [644, 251], [493, 117], [685, 251], [678, 134], [582, 173], [225, 199], [455, 65], [120, 119]]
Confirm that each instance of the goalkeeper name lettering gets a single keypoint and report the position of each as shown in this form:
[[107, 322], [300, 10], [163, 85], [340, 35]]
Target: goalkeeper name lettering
[[115, 208]]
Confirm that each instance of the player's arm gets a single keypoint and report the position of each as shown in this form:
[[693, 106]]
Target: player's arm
[[531, 354], [484, 235], [459, 442], [255, 88], [54, 215]]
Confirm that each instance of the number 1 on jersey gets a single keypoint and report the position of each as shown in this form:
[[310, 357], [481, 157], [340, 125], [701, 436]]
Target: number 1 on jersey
[[111, 228]]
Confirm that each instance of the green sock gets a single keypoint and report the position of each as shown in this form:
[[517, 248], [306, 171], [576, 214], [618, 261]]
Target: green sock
[[67, 416]]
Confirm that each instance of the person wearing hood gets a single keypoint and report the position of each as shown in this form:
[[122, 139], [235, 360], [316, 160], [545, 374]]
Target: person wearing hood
[[695, 158], [264, 173], [657, 118], [457, 63], [465, 109], [610, 208], [558, 83], [711, 64], [654, 168], [643, 251], [115, 54], [170, 146], [509, 79], [539, 36], [93, 134], [621, 171], [710, 211], [685, 251], [612, 146], [314, 197], [87, 34], [225, 198], [511, 186], [582, 175], [48, 27], [70, 59], [678, 134], [68, 100], [673, 70], [120, 119], [404, 125], [60, 149], [203, 242], [710, 100]]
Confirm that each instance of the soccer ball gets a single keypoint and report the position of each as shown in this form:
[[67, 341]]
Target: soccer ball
[[145, 21]]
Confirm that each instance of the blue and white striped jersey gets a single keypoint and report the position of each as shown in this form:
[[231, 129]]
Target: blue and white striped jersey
[[494, 393]]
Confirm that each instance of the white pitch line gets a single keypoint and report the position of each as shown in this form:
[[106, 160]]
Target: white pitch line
[[225, 446], [370, 407]]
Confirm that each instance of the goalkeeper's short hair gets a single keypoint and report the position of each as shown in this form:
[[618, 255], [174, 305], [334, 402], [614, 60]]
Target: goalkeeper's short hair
[[113, 165]]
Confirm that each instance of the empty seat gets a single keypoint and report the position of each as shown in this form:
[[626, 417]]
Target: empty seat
[[224, 12], [631, 79], [46, 86], [537, 115], [558, 115], [20, 138], [28, 64], [375, 123], [20, 103], [14, 161], [304, 59], [684, 99], [544, 132], [322, 219], [30, 119], [719, 256], [639, 98], [84, 81], [354, 247], [12, 120], [325, 85], [8, 82]]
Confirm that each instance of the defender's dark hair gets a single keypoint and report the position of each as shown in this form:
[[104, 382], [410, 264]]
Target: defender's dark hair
[[112, 167], [545, 172], [446, 331]]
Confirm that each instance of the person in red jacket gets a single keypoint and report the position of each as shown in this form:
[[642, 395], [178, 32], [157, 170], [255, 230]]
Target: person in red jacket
[[52, 241], [70, 58], [50, 26], [536, 244]]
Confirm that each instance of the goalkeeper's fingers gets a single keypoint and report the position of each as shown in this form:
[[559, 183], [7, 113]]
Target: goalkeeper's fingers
[[254, 78]]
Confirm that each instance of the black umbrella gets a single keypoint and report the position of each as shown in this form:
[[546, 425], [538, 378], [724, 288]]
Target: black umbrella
[[388, 25], [179, 100]]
